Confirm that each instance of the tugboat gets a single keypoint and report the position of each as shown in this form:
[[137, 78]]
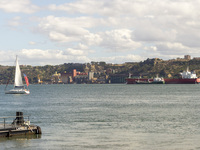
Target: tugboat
[[156, 80]]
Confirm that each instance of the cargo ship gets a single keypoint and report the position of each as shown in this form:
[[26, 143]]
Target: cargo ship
[[186, 77]]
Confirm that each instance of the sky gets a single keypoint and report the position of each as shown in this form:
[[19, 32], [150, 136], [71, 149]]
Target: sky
[[53, 32]]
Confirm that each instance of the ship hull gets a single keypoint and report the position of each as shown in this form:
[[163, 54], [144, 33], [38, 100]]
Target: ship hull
[[182, 81], [167, 81]]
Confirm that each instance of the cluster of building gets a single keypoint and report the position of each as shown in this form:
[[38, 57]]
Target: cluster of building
[[99, 74], [82, 77], [69, 77]]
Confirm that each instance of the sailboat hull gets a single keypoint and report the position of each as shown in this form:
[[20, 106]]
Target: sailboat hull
[[18, 91]]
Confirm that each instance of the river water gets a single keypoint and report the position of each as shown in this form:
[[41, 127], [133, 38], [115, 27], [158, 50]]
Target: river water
[[107, 116]]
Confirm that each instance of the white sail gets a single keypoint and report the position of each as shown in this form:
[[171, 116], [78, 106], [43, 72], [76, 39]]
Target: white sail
[[18, 76], [18, 85]]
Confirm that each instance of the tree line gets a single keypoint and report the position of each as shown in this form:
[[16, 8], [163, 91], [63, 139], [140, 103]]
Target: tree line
[[148, 68]]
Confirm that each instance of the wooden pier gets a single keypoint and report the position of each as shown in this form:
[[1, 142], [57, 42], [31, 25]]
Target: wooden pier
[[18, 126]]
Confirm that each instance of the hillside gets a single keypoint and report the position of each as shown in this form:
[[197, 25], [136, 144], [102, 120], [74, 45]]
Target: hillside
[[148, 68]]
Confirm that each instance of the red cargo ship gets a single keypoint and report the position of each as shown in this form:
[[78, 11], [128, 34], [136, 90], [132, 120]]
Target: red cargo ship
[[187, 77]]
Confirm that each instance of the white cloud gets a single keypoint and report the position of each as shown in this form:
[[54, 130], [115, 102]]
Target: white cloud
[[82, 46], [14, 22], [32, 43], [43, 57], [63, 29], [172, 48], [139, 8], [92, 39], [7, 59], [148, 21], [169, 50], [120, 59], [42, 54], [151, 48], [16, 6], [93, 28], [79, 6], [74, 52], [119, 40], [59, 37], [151, 33], [51, 56]]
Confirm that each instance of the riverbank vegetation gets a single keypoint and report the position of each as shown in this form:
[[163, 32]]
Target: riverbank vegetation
[[148, 68]]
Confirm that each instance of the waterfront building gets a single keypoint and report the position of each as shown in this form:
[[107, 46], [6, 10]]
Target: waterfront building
[[118, 78], [55, 78], [81, 79], [90, 75], [66, 78]]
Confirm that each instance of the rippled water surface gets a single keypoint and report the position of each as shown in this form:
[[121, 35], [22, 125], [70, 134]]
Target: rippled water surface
[[103, 117]]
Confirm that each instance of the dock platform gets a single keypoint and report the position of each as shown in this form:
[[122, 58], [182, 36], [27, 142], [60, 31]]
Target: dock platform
[[18, 126]]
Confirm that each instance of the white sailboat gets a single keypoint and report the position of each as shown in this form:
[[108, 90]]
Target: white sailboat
[[18, 85]]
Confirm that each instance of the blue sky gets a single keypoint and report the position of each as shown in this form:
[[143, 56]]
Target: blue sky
[[54, 32]]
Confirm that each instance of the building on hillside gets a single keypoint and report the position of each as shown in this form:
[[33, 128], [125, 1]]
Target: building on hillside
[[90, 75], [55, 78], [74, 76], [74, 73], [109, 71], [81, 79], [188, 57], [81, 73], [66, 78], [39, 80], [196, 58]]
